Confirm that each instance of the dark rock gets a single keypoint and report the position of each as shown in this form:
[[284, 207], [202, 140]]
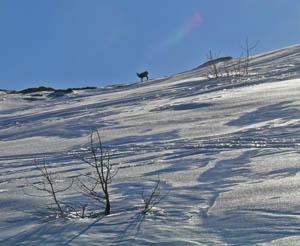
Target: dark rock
[[39, 89]]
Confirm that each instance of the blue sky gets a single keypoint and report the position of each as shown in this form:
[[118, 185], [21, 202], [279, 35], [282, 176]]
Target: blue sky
[[77, 43]]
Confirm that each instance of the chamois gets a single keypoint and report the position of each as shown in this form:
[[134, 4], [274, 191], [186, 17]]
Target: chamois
[[143, 75]]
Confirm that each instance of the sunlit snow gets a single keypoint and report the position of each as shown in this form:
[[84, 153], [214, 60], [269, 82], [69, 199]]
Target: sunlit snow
[[226, 150]]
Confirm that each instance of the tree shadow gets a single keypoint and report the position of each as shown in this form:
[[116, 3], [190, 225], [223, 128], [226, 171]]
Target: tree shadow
[[240, 226], [282, 110], [47, 231]]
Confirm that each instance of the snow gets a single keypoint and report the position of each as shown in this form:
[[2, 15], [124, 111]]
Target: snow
[[226, 150]]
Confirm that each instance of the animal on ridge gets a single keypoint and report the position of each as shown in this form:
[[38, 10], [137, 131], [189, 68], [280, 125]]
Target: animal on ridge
[[143, 75]]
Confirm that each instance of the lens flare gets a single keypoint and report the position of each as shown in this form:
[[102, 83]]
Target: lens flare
[[190, 25], [195, 21]]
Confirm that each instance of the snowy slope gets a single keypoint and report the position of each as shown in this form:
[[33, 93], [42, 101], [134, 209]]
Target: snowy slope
[[225, 149]]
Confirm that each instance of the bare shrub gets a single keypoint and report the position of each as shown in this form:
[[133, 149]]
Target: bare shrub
[[96, 184], [152, 198], [213, 65], [248, 49], [241, 68], [48, 188], [78, 210]]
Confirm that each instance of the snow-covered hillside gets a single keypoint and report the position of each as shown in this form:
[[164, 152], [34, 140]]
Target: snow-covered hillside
[[226, 150]]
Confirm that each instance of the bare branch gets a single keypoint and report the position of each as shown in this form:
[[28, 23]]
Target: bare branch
[[99, 161], [48, 185], [212, 63], [248, 50], [154, 198]]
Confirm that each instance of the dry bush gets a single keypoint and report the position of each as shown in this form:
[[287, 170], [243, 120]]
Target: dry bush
[[49, 188], [153, 198], [96, 184]]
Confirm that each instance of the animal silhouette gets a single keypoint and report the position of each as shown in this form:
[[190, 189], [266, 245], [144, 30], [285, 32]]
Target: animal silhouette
[[143, 75]]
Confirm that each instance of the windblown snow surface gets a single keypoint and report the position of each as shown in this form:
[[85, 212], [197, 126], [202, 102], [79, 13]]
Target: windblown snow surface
[[226, 151]]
